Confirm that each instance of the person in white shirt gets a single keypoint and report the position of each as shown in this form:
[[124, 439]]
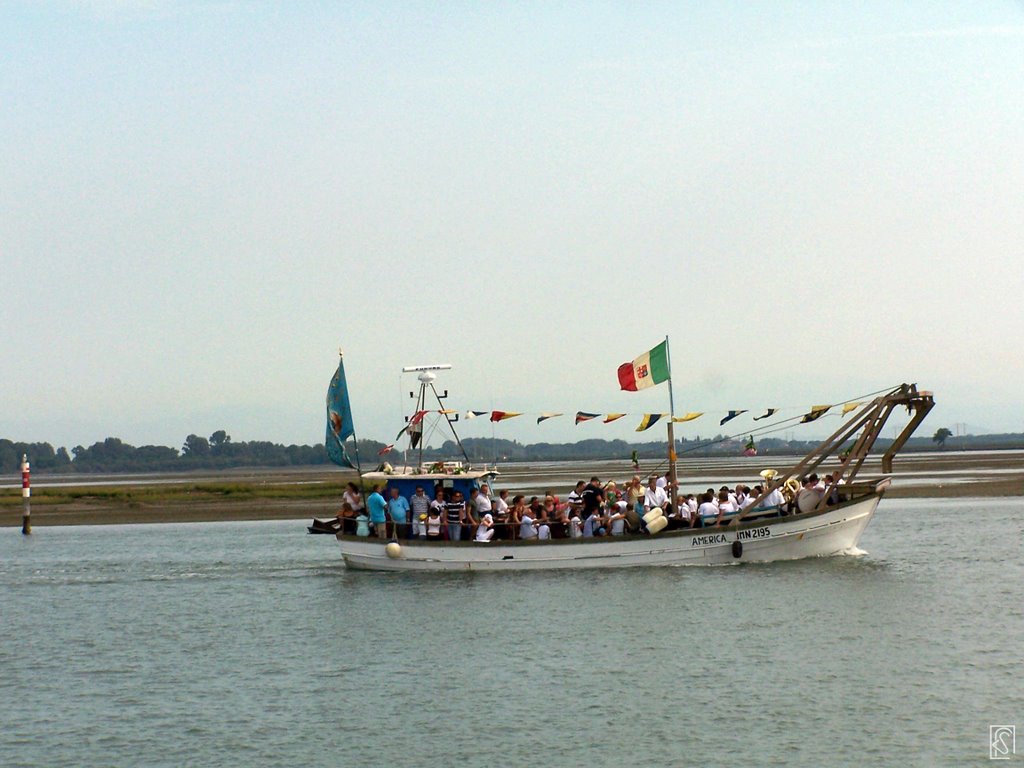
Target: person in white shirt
[[774, 500], [502, 515], [730, 496], [482, 502], [654, 496], [501, 503], [433, 523], [353, 497], [485, 531], [575, 499], [741, 494], [617, 519], [808, 497], [683, 514], [833, 481], [708, 511], [527, 529], [592, 526], [751, 497], [473, 516], [726, 507], [439, 501]]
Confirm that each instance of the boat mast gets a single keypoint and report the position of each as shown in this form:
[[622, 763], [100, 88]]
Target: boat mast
[[671, 431]]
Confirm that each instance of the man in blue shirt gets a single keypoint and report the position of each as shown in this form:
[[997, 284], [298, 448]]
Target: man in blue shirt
[[376, 505], [398, 508]]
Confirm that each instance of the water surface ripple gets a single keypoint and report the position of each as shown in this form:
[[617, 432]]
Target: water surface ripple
[[251, 644]]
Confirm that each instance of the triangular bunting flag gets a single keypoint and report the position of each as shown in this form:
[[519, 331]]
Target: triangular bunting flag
[[546, 416], [732, 415], [648, 421], [850, 406], [502, 415], [417, 417], [474, 414], [584, 416], [817, 411], [766, 414], [386, 450], [688, 417], [612, 417]]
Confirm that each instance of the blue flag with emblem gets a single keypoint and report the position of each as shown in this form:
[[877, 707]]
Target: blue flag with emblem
[[339, 419]]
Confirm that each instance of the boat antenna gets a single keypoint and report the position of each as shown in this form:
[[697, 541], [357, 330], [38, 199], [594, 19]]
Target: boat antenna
[[426, 378]]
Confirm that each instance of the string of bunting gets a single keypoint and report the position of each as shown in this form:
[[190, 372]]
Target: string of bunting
[[647, 370], [647, 420]]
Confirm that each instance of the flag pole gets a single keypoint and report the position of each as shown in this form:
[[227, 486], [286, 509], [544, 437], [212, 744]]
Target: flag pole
[[355, 439], [671, 432]]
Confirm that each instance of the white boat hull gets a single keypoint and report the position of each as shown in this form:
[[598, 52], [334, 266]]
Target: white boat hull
[[835, 530]]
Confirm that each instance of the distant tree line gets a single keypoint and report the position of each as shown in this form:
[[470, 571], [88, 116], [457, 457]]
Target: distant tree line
[[218, 451]]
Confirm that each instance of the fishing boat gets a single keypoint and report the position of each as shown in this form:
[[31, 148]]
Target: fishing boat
[[832, 524]]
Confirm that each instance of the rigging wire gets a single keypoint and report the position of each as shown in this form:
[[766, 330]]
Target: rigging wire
[[769, 429]]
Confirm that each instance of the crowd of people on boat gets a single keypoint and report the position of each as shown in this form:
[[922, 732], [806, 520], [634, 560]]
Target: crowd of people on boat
[[591, 509]]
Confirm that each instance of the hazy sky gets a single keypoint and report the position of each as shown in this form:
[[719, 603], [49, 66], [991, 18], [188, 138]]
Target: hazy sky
[[200, 202]]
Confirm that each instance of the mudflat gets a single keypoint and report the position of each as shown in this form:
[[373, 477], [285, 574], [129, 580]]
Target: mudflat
[[275, 494]]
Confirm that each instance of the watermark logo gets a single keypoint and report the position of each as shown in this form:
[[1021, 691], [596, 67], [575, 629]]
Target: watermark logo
[[1002, 742]]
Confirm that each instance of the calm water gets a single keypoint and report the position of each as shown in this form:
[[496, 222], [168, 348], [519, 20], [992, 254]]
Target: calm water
[[251, 644]]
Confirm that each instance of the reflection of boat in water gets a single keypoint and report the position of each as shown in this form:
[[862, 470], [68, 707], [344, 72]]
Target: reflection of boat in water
[[832, 524]]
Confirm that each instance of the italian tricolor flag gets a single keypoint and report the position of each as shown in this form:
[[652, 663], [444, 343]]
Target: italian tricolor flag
[[647, 370]]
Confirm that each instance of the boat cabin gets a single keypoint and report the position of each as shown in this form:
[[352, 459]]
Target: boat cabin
[[451, 476]]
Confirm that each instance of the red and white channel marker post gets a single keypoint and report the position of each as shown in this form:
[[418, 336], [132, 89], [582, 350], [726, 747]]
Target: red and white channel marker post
[[26, 494]]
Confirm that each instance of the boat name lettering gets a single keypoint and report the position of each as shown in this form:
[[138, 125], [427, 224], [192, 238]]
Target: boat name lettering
[[754, 533], [709, 538]]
